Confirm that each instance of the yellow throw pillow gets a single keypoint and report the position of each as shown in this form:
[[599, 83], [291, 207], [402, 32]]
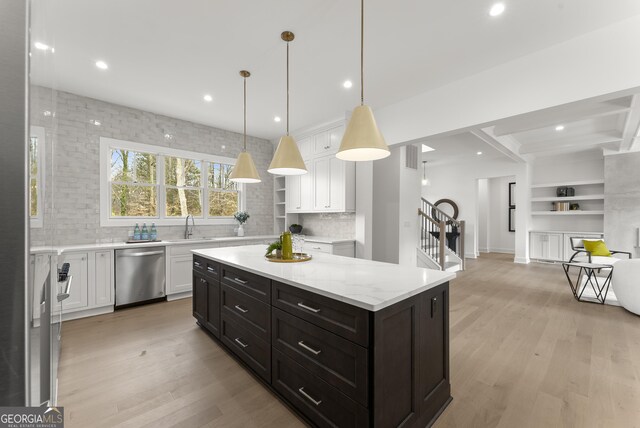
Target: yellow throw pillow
[[597, 248]]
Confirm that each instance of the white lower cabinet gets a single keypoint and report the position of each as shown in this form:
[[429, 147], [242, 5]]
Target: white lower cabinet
[[180, 269], [346, 249], [79, 292], [554, 246], [104, 268]]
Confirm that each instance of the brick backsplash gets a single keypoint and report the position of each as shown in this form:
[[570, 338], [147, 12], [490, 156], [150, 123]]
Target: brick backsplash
[[333, 225], [72, 180]]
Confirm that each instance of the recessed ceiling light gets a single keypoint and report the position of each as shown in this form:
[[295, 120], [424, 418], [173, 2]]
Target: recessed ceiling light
[[347, 84], [560, 128], [102, 65], [95, 122], [277, 119], [208, 98], [426, 148], [479, 153], [496, 9], [41, 46]]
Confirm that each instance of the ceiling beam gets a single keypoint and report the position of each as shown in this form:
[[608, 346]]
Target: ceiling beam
[[602, 139], [631, 126], [506, 145], [560, 115]]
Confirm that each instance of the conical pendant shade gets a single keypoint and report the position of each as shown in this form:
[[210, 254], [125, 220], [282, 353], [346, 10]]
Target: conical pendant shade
[[362, 140], [244, 171], [287, 159]]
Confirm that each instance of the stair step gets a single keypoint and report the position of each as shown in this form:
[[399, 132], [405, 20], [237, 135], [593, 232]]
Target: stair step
[[452, 267]]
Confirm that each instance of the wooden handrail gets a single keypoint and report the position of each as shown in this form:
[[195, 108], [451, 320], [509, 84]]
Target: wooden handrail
[[439, 211], [442, 223], [427, 216]]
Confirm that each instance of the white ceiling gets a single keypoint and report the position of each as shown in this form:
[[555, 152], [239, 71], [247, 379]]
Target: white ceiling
[[458, 148], [164, 55]]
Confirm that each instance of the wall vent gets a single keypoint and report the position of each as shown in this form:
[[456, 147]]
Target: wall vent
[[411, 157]]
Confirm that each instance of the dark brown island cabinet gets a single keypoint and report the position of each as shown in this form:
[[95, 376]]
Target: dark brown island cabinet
[[334, 364]]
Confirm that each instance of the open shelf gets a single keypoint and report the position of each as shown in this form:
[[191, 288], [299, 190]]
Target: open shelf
[[566, 213], [568, 183], [569, 198], [280, 190]]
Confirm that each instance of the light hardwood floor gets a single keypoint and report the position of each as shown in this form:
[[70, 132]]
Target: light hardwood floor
[[524, 353]]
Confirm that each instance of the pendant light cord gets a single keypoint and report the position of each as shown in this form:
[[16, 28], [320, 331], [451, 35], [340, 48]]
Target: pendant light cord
[[245, 116], [361, 52], [287, 88]]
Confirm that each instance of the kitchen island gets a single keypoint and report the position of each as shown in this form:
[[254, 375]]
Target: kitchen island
[[344, 342]]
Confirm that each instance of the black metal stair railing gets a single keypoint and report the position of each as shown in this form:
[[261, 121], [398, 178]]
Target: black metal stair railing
[[434, 224]]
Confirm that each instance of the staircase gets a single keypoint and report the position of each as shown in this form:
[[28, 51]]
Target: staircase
[[436, 253]]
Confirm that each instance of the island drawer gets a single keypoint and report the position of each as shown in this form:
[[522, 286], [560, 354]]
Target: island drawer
[[319, 247], [341, 318], [207, 267], [248, 312], [255, 352], [324, 405], [254, 285], [337, 361]]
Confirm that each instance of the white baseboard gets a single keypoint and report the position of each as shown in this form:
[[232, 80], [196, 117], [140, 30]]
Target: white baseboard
[[522, 260], [502, 250], [470, 256], [177, 296], [483, 250]]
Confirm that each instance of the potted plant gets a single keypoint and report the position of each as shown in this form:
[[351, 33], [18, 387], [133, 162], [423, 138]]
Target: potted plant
[[276, 245], [295, 228], [241, 217]]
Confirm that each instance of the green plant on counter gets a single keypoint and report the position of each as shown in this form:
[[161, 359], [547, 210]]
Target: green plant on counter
[[241, 217], [276, 245]]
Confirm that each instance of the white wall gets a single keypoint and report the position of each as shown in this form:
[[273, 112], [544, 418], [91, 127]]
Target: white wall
[[592, 65], [499, 239], [483, 215], [459, 182]]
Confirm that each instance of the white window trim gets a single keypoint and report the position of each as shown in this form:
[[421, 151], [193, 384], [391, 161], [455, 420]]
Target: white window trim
[[105, 170], [37, 221]]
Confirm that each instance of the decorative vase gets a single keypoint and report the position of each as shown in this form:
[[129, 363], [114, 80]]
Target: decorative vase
[[295, 229], [241, 230]]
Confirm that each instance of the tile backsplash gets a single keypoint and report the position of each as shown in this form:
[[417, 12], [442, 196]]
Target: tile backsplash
[[333, 225], [72, 165]]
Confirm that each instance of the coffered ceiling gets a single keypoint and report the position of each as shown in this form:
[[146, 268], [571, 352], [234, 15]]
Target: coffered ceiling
[[165, 55]]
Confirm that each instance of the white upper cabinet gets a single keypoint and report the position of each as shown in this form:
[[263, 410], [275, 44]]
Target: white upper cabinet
[[330, 183]]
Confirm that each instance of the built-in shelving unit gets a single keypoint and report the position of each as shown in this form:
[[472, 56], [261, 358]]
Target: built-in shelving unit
[[279, 204], [589, 195]]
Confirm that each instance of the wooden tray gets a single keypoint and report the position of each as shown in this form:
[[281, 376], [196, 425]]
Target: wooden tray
[[142, 241], [297, 258]]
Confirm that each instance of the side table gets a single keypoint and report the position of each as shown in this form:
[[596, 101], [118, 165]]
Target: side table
[[599, 284]]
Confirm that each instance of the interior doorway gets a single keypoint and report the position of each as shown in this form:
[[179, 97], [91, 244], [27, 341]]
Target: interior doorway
[[496, 215]]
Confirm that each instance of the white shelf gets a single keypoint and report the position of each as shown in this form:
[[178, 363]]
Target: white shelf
[[280, 203], [568, 183], [565, 213], [569, 198], [280, 216], [280, 190]]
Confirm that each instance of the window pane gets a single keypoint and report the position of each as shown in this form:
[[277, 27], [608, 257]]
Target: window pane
[[182, 202], [182, 172], [132, 200], [223, 204], [219, 177], [133, 167], [33, 175]]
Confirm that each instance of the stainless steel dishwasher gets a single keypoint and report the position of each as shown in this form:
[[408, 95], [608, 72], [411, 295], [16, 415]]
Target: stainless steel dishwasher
[[140, 275]]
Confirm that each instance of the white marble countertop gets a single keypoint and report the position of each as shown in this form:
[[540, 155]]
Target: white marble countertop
[[363, 283], [170, 242]]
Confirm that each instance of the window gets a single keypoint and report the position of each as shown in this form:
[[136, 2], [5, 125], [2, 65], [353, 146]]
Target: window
[[163, 185], [36, 174], [223, 193]]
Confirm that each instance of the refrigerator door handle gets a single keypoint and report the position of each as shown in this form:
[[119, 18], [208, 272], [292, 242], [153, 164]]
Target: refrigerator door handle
[[67, 290]]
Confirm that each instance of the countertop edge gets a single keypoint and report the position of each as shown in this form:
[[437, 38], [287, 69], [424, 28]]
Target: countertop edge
[[372, 308]]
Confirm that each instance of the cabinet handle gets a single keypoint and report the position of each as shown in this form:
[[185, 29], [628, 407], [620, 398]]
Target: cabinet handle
[[210, 269], [240, 342], [434, 306], [241, 309], [327, 206], [197, 264], [308, 348], [316, 248], [309, 308], [308, 397], [327, 147], [297, 208], [240, 280], [202, 280]]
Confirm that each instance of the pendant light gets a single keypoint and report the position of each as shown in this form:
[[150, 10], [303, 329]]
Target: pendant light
[[287, 159], [244, 171], [362, 140], [425, 180]]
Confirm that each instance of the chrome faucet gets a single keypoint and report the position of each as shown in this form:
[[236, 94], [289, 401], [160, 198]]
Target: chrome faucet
[[188, 231]]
